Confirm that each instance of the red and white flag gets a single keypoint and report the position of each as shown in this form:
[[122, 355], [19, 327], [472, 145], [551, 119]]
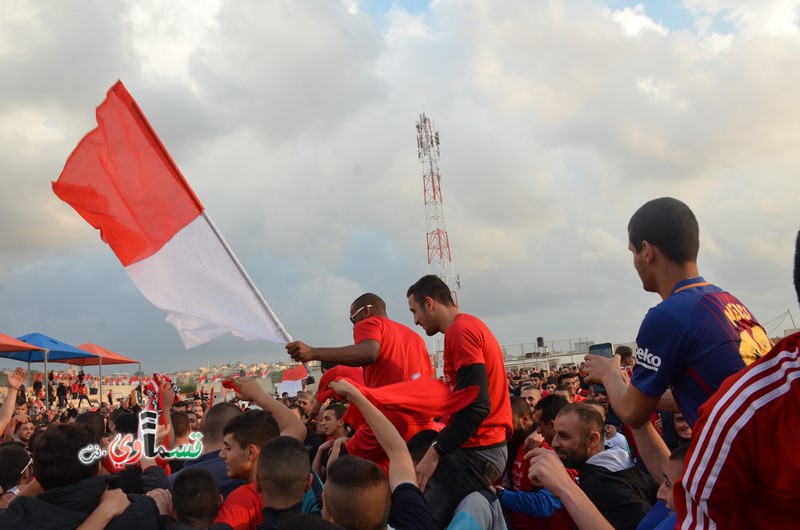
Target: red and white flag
[[134, 380], [250, 373], [292, 380], [202, 380], [216, 379], [122, 181], [264, 373]]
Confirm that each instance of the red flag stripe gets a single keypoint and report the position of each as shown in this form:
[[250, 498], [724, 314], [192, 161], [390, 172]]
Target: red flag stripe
[[121, 180]]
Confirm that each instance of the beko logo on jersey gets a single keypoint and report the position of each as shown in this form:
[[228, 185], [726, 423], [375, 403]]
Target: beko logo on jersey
[[647, 360]]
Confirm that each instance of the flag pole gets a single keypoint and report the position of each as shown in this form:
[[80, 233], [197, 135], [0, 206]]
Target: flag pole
[[272, 316], [247, 278]]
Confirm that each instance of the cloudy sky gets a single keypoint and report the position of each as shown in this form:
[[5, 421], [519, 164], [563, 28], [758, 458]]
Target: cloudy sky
[[294, 123]]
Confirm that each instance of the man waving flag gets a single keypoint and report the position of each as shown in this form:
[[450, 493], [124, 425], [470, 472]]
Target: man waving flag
[[123, 182]]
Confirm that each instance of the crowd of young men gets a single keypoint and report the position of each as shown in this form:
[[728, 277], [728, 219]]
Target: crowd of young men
[[523, 449]]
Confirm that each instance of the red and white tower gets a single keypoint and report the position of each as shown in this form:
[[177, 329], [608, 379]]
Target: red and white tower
[[440, 260]]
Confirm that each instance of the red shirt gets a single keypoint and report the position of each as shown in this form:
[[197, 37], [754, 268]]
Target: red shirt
[[742, 467], [403, 355], [468, 341], [354, 373], [242, 508]]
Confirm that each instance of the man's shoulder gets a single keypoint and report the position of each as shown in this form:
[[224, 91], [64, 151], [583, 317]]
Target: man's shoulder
[[397, 327], [244, 492], [465, 324]]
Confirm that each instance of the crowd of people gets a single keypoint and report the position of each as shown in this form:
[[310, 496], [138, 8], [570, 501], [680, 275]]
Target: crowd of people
[[692, 429]]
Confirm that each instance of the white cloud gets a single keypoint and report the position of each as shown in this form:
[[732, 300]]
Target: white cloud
[[634, 21]]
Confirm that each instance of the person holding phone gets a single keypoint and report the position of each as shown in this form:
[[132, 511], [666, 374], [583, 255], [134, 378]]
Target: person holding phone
[[690, 342]]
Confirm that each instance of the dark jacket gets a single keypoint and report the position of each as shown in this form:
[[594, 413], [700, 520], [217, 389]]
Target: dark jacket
[[621, 492], [68, 506]]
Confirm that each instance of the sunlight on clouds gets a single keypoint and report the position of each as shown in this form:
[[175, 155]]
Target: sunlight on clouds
[[510, 90], [351, 6], [600, 246], [404, 27], [15, 15], [634, 21], [660, 92], [166, 34], [650, 142], [766, 17], [34, 126]]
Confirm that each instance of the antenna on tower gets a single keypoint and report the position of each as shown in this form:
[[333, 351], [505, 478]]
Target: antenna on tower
[[440, 260]]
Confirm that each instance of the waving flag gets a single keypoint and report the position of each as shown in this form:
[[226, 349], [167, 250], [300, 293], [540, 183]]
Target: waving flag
[[202, 380], [122, 181], [216, 379], [292, 380]]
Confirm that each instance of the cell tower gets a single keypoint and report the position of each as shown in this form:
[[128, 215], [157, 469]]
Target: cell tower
[[440, 261]]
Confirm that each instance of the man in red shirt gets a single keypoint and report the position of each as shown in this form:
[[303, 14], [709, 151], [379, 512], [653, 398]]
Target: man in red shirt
[[243, 437], [389, 352], [470, 452]]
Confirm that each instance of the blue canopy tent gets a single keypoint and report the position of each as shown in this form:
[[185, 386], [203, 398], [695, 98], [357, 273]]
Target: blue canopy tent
[[51, 350]]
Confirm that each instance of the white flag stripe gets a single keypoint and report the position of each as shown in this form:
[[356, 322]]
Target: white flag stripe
[[196, 282]]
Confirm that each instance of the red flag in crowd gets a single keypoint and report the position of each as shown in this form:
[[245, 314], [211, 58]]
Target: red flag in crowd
[[297, 373]]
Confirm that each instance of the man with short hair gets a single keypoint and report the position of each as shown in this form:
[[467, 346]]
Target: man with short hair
[[193, 424], [389, 353], [531, 395], [181, 427], [544, 415], [698, 336], [195, 497], [573, 382], [283, 478], [242, 439], [23, 432], [564, 391], [621, 492], [215, 421], [305, 400], [470, 452], [528, 509], [626, 358]]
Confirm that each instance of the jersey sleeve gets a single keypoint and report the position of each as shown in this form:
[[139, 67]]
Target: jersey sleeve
[[368, 329], [661, 344], [714, 481]]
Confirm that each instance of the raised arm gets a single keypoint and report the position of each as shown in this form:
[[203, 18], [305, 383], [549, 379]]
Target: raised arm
[[15, 380], [632, 406], [288, 422], [652, 449], [401, 467]]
